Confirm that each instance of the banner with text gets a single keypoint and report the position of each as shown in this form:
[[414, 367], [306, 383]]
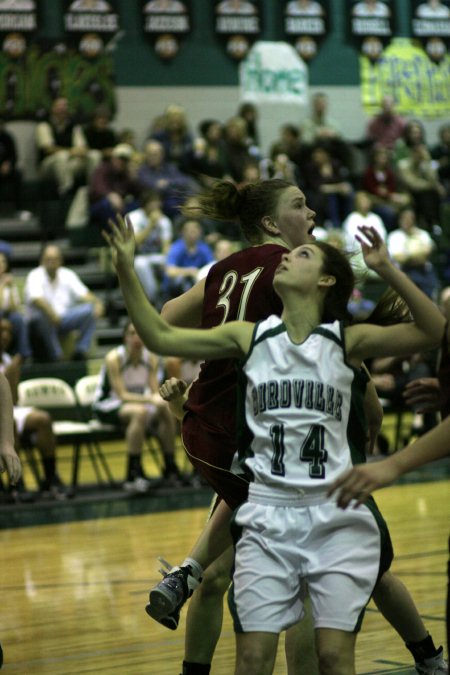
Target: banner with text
[[273, 72], [419, 86]]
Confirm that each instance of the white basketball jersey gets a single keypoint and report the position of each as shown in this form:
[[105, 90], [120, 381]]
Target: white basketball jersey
[[304, 422]]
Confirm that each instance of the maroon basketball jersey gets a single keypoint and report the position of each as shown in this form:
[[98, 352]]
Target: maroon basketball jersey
[[237, 288]]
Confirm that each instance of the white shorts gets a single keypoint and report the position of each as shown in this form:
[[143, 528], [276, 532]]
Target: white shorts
[[339, 554]]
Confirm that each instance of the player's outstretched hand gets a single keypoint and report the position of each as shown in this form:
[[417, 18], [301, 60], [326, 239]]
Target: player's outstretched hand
[[120, 239], [373, 247], [424, 394]]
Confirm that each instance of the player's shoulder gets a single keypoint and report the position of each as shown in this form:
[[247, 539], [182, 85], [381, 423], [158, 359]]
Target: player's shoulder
[[266, 255]]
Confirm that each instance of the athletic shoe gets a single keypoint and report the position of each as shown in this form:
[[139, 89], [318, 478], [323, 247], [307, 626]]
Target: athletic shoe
[[168, 597], [137, 485], [435, 665]]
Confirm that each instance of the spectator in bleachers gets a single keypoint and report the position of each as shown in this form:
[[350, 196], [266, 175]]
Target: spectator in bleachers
[[386, 127], [238, 150], [153, 235], [380, 181], [206, 158], [327, 187], [127, 396], [290, 142], [174, 135], [440, 153], [113, 188], [320, 128], [32, 426], [411, 247], [62, 148], [250, 173], [184, 258], [249, 113], [100, 136], [155, 173], [278, 165], [213, 230], [221, 250], [10, 307], [413, 134], [362, 215], [418, 175], [10, 176], [58, 302]]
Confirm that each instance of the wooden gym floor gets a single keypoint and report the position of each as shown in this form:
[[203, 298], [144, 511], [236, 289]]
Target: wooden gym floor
[[73, 590]]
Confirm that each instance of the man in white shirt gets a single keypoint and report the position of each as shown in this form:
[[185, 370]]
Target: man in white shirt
[[58, 302]]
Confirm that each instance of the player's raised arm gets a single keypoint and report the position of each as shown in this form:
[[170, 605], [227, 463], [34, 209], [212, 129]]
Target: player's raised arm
[[228, 340], [427, 326]]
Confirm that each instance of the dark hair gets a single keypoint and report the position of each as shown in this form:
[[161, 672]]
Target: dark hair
[[247, 205], [205, 126], [337, 264], [390, 308], [150, 195]]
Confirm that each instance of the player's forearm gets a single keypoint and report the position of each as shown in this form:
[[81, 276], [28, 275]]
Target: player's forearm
[[148, 323], [425, 313], [6, 416], [428, 448]]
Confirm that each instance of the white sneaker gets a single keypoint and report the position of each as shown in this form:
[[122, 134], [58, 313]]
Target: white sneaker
[[137, 485], [436, 665]]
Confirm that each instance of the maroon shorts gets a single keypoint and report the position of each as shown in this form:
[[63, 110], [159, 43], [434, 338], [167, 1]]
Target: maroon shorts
[[211, 452]]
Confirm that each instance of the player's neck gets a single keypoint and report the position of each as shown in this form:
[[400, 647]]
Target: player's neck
[[301, 317], [274, 240]]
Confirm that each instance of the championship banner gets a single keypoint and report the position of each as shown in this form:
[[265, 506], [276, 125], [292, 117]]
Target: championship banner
[[305, 25], [46, 71], [431, 25], [371, 24], [166, 21], [91, 24], [238, 22], [420, 87], [273, 72]]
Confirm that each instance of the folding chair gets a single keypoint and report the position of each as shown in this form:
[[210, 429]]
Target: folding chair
[[85, 389], [58, 398]]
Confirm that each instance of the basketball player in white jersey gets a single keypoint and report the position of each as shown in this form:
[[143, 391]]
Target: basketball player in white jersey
[[299, 442]]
